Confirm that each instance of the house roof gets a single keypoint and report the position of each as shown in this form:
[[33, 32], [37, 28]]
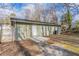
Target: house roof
[[31, 22]]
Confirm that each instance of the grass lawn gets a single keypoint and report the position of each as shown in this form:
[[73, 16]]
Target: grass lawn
[[69, 42]]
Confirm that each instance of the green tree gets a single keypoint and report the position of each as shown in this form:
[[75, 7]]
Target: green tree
[[69, 19], [68, 15], [66, 20]]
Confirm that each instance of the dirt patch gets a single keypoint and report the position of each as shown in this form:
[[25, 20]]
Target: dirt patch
[[25, 47]]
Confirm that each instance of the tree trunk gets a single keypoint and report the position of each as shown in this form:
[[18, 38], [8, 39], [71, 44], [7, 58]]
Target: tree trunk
[[69, 28]]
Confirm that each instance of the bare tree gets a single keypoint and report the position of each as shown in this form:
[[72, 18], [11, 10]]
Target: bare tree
[[68, 15], [44, 14], [39, 12]]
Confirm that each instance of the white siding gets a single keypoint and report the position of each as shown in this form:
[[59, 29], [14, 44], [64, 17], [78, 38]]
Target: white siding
[[6, 33], [34, 30]]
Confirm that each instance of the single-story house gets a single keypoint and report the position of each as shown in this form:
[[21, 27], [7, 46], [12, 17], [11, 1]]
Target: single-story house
[[21, 29]]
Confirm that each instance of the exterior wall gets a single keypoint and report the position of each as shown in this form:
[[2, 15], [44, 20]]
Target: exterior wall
[[6, 33], [46, 31], [26, 31], [22, 32], [39, 30], [52, 30], [34, 30], [59, 30]]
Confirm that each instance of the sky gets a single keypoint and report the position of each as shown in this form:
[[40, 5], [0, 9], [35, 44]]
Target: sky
[[19, 9]]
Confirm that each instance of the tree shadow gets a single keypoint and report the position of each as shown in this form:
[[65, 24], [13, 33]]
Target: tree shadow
[[22, 49]]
